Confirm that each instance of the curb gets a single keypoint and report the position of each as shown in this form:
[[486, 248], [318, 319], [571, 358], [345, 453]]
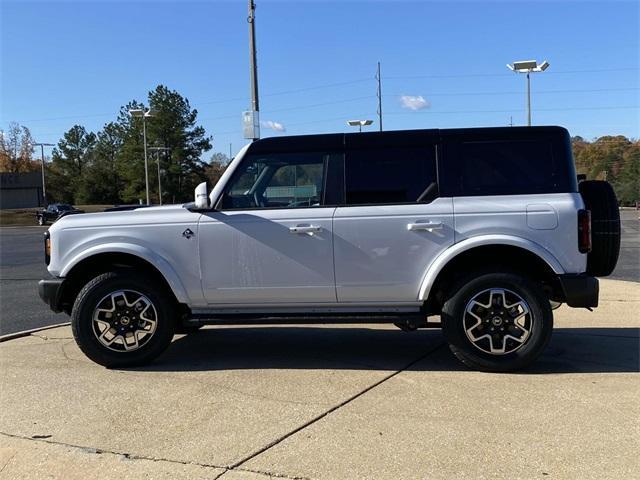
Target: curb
[[26, 333]]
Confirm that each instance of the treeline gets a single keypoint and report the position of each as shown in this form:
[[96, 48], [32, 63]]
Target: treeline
[[107, 167], [612, 158]]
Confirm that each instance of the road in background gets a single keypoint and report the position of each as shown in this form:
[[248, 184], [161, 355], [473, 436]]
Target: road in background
[[22, 265], [628, 267]]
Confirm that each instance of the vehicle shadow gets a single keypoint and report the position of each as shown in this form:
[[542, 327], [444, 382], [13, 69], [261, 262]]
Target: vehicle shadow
[[572, 350]]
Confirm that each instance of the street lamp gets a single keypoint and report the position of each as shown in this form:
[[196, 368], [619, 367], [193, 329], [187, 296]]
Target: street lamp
[[359, 123], [44, 190], [528, 66], [144, 113], [159, 149]]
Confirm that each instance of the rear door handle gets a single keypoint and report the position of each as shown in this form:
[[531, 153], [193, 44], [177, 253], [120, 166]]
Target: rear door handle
[[305, 229], [427, 226]]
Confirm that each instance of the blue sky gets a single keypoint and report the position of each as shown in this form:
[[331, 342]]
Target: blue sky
[[77, 62]]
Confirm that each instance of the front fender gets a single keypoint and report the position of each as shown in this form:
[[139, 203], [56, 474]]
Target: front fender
[[484, 240], [163, 266]]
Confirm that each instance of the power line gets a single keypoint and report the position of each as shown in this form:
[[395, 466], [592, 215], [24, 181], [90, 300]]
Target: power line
[[593, 90], [621, 107], [287, 92], [300, 107], [467, 75]]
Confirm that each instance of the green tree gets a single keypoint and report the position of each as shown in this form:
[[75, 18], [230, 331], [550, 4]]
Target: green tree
[[70, 160], [172, 125], [101, 180]]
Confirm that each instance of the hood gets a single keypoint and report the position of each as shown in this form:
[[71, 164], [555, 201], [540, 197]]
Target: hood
[[139, 216]]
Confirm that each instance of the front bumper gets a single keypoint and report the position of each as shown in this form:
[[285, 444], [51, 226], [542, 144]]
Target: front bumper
[[49, 290], [580, 290]]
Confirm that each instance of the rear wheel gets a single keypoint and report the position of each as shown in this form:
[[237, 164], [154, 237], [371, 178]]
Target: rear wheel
[[122, 319], [497, 322]]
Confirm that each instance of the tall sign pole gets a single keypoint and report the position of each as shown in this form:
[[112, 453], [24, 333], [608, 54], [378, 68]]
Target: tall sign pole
[[251, 118]]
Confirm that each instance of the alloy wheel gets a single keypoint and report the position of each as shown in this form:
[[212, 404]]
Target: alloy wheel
[[498, 321], [124, 320]]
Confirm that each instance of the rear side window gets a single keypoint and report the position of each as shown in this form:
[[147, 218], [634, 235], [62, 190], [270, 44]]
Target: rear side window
[[504, 168], [390, 175]]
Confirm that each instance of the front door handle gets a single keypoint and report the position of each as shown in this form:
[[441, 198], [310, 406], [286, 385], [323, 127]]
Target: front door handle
[[427, 226], [305, 229]]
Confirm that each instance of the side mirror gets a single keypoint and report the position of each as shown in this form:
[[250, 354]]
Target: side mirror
[[202, 196]]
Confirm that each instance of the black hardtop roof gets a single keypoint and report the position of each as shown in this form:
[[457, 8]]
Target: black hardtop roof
[[400, 137]]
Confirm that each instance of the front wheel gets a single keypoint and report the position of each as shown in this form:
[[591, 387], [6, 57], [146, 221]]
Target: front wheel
[[498, 322], [122, 319]]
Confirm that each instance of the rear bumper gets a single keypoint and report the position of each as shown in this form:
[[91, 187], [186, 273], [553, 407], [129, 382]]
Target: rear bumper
[[580, 290], [49, 291]]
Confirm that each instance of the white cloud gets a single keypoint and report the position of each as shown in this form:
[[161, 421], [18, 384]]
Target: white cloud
[[276, 126], [413, 102]]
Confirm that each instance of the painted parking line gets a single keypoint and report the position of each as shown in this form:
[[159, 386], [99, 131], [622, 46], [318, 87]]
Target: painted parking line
[[25, 333]]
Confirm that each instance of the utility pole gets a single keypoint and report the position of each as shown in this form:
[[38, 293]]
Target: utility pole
[[379, 94], [253, 116], [230, 151], [44, 189], [158, 150]]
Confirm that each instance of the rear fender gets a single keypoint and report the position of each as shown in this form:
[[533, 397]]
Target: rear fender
[[484, 240]]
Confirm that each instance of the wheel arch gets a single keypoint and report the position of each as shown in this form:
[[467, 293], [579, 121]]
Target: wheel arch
[[477, 253], [93, 262]]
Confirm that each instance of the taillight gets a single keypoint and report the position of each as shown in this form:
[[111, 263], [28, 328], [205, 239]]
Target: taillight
[[584, 231], [47, 247]]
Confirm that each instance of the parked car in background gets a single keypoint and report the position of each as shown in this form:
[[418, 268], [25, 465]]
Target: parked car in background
[[55, 211]]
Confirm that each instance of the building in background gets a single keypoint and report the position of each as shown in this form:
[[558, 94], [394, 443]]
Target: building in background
[[20, 190]]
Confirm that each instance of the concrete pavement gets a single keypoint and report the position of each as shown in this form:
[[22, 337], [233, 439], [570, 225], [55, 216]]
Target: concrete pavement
[[329, 402]]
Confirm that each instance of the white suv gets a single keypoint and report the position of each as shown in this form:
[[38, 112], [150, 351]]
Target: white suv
[[486, 228]]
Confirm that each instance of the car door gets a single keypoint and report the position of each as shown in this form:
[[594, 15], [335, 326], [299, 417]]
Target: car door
[[271, 239], [393, 224]]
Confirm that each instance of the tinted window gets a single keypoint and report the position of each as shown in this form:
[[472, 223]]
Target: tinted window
[[389, 175], [281, 180], [503, 168]]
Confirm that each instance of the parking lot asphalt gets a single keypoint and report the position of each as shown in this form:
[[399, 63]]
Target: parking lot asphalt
[[329, 402], [22, 265]]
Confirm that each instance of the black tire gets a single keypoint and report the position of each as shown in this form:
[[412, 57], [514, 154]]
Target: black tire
[[525, 352], [601, 200], [94, 292]]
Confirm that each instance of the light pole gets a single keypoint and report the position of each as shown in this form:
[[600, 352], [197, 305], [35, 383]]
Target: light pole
[[44, 189], [359, 123], [528, 67], [144, 113], [158, 150]]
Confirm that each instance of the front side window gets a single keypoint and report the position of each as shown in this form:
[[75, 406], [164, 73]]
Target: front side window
[[285, 180], [390, 175]]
